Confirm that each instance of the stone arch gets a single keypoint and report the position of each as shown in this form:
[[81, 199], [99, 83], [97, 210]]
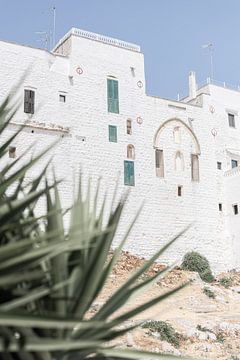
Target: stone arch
[[157, 142]]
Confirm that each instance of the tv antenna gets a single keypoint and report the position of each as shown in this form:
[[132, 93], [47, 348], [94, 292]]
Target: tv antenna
[[54, 26], [44, 38], [210, 48]]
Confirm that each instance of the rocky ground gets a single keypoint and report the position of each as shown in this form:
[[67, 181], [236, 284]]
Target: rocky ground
[[206, 317]]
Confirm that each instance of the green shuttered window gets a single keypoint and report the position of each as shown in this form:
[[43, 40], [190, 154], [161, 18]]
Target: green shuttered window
[[112, 133], [112, 93], [129, 178]]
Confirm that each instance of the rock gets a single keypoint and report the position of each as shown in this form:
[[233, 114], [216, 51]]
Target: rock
[[207, 308], [206, 347], [168, 348], [203, 336], [212, 336], [155, 334], [228, 327], [194, 277], [236, 289]]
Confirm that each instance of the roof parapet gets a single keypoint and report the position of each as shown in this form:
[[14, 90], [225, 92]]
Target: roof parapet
[[98, 37]]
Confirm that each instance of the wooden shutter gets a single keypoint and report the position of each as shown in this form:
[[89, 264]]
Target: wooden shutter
[[112, 133], [159, 163], [129, 178], [29, 99], [195, 167], [113, 101]]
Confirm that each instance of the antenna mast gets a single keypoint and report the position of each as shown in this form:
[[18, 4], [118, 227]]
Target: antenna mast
[[54, 25]]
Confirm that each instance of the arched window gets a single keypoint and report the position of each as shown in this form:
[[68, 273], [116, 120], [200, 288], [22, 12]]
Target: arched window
[[177, 134], [130, 152], [195, 167], [179, 161]]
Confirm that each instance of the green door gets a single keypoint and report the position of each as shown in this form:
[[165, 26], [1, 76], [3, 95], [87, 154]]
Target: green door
[[129, 178]]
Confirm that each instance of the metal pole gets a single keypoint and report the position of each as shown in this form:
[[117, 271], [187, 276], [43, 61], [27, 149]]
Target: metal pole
[[211, 59], [54, 26]]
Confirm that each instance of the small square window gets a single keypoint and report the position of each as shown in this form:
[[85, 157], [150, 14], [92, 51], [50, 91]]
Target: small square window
[[12, 152], [220, 207], [179, 190], [235, 209], [112, 133], [234, 163], [219, 165], [231, 120], [62, 98]]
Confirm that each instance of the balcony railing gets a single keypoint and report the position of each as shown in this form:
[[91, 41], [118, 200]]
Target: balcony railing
[[232, 172]]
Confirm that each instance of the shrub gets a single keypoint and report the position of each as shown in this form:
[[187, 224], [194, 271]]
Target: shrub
[[226, 281], [207, 276], [220, 337], [209, 293], [193, 261], [165, 330]]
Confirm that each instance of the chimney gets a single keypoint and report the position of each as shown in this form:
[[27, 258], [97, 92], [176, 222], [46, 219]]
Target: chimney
[[192, 85]]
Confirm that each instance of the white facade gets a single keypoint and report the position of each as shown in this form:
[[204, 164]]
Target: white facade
[[78, 70]]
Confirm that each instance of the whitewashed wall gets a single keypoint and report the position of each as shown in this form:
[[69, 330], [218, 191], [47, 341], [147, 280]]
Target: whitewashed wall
[[85, 114]]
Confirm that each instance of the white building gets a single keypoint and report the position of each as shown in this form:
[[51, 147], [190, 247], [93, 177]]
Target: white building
[[180, 157]]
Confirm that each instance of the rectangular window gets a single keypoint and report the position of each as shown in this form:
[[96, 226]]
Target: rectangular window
[[129, 127], [112, 133], [62, 98], [234, 163], [12, 152], [112, 94], [29, 98], [129, 178], [219, 165], [231, 120], [220, 207], [195, 167], [179, 190], [235, 209], [159, 161]]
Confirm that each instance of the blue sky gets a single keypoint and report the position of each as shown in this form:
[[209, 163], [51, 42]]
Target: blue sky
[[171, 33]]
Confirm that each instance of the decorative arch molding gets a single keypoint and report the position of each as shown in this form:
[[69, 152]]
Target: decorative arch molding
[[157, 140]]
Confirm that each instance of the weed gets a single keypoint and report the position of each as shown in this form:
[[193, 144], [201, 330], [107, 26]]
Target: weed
[[209, 293], [220, 338], [165, 330], [204, 329], [226, 281]]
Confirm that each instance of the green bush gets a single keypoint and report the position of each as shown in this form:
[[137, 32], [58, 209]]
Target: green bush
[[209, 293], [207, 276], [193, 261], [165, 330], [226, 281]]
